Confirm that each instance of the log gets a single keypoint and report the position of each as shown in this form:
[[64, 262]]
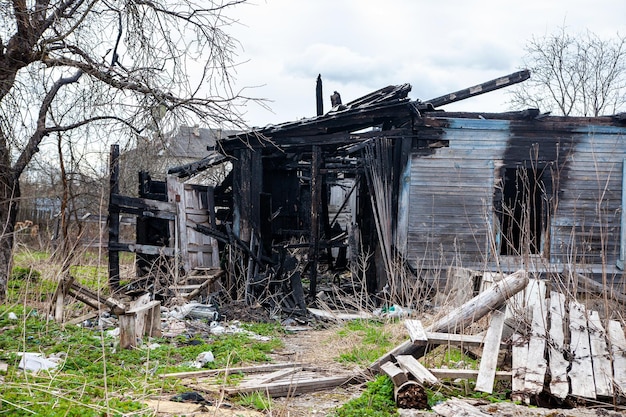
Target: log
[[461, 317], [411, 395], [597, 288]]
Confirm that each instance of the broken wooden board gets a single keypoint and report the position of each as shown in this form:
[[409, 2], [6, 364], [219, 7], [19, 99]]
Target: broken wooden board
[[467, 374], [243, 369], [559, 385], [421, 337], [581, 372], [618, 352], [463, 316], [395, 373], [519, 364], [339, 316], [197, 410], [489, 360], [412, 366], [602, 372], [294, 384], [275, 380], [535, 374], [416, 331]]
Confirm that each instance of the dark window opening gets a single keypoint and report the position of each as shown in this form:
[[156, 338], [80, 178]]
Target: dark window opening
[[521, 212]]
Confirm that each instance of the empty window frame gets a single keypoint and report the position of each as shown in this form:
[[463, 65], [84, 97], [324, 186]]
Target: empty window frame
[[522, 210]]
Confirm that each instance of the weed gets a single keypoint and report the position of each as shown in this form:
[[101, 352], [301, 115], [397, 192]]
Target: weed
[[21, 273], [376, 401], [255, 400], [96, 378], [371, 340]]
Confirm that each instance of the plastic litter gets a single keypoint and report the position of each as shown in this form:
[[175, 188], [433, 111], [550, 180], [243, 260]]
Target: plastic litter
[[35, 362], [203, 358]]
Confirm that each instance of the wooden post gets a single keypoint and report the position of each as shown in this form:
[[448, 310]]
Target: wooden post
[[316, 191], [319, 101], [128, 334], [114, 218], [473, 310]]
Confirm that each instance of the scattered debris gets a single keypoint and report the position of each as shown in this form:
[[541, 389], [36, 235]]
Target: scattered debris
[[203, 358], [33, 361]]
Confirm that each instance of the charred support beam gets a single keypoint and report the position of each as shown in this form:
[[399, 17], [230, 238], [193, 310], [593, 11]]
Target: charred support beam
[[114, 218], [319, 96], [485, 87], [316, 194]]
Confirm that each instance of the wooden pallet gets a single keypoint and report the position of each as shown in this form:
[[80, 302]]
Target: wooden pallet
[[593, 366]]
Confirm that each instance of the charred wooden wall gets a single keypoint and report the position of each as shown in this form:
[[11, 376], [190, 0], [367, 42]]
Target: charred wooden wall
[[456, 189]]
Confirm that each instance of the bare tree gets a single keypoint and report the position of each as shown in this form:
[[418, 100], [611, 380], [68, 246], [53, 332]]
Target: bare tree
[[105, 69], [574, 75]]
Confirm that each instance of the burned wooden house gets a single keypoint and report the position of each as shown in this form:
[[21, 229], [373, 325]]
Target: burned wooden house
[[405, 191]]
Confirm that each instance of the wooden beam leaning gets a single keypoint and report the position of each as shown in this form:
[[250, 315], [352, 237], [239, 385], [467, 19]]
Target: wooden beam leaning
[[559, 385], [535, 374], [617, 341], [489, 361], [463, 316], [602, 370], [581, 372]]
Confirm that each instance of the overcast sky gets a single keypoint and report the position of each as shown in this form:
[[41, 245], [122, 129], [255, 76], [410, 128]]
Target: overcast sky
[[359, 46]]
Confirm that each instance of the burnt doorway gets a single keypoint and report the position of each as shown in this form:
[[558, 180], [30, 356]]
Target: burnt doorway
[[523, 210]]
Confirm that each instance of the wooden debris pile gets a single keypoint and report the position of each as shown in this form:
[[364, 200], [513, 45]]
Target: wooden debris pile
[[558, 351], [275, 380]]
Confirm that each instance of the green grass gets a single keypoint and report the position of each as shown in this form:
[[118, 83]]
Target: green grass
[[256, 400], [376, 401], [97, 378], [373, 341]]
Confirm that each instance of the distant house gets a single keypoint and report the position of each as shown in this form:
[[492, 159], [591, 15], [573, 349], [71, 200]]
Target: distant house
[[185, 145]]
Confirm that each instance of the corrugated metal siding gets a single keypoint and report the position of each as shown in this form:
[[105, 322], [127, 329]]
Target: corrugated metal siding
[[451, 195]]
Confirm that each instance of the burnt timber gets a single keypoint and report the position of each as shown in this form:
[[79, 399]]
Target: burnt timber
[[405, 181]]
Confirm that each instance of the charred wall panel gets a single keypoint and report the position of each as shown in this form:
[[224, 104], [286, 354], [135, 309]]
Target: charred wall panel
[[451, 195], [456, 192], [586, 227]]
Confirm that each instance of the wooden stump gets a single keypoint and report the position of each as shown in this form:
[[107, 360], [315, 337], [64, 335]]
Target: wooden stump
[[411, 395]]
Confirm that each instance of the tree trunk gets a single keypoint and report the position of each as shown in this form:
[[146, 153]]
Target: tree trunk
[[9, 198]]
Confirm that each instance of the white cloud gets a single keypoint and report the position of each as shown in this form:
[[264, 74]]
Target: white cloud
[[361, 45]]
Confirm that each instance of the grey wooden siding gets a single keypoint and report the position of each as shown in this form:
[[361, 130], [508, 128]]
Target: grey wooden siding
[[588, 216], [451, 194]]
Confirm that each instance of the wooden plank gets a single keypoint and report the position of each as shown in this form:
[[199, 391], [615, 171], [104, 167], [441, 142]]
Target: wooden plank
[[157, 206], [535, 374], [412, 366], [243, 369], [176, 196], [416, 331], [274, 376], [618, 350], [602, 372], [463, 316], [142, 249], [559, 386], [519, 364], [581, 372], [467, 374], [437, 338], [278, 389], [489, 360], [397, 375]]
